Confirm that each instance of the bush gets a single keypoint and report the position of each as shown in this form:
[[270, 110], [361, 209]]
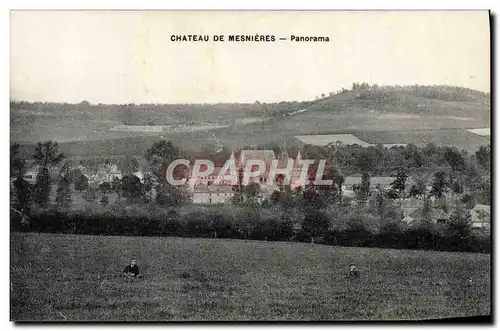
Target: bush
[[258, 224]]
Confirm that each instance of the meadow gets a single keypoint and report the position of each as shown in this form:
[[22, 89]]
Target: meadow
[[73, 278], [462, 139]]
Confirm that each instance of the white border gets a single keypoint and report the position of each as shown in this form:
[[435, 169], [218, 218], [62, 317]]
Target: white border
[[186, 4]]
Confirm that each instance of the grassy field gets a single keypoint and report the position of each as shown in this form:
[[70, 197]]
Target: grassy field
[[459, 138], [66, 277]]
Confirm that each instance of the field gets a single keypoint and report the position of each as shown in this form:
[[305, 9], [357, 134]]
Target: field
[[481, 132], [111, 130], [67, 277], [323, 140], [459, 138]]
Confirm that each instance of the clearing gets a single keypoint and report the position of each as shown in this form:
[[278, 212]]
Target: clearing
[[69, 277]]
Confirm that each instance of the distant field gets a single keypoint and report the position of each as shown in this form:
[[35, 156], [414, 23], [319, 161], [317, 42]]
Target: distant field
[[74, 278], [117, 130], [168, 128], [323, 140], [461, 139], [344, 138], [481, 132]]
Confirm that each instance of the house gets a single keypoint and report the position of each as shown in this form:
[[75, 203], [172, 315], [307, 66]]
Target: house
[[408, 206], [212, 194], [30, 175], [383, 182], [32, 172], [139, 174], [256, 154], [437, 216], [408, 220], [481, 216]]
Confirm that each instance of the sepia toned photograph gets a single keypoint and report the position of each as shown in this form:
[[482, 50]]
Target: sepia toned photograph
[[242, 166]]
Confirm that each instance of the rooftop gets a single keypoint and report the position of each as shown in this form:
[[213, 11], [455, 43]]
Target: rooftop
[[352, 180]]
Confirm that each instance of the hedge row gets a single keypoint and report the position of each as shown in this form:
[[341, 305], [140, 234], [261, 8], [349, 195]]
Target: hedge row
[[248, 226]]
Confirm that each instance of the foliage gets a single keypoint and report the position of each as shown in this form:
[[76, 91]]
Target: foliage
[[128, 165], [63, 194], [159, 157], [439, 184], [400, 181], [483, 157]]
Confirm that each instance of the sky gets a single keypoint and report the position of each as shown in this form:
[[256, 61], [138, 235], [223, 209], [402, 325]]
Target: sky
[[128, 57]]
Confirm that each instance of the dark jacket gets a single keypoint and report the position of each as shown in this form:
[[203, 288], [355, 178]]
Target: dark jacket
[[134, 271]]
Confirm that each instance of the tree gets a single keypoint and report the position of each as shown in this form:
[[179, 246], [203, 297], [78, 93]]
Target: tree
[[90, 194], [116, 186], [75, 175], [456, 187], [253, 194], [159, 157], [81, 183], [172, 196], [17, 164], [426, 213], [104, 199], [238, 190], [381, 204], [105, 187], [418, 189], [46, 155], [275, 197], [438, 184], [63, 193], [399, 183], [21, 188], [483, 157], [364, 189], [393, 194], [149, 184], [42, 187], [22, 193], [468, 201], [128, 165], [312, 199], [315, 223], [131, 187], [459, 227], [454, 159], [338, 179]]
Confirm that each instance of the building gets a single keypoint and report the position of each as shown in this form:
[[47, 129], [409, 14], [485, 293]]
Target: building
[[204, 188], [437, 216], [101, 173], [212, 194], [383, 182], [481, 216], [408, 206], [408, 220]]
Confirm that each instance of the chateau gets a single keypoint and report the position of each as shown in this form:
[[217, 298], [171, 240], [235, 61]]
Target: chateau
[[216, 188]]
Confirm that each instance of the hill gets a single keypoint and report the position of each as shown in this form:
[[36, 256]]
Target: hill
[[365, 111], [74, 278], [438, 100]]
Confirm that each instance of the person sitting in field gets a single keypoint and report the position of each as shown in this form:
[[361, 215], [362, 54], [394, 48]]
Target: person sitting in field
[[353, 272], [132, 270]]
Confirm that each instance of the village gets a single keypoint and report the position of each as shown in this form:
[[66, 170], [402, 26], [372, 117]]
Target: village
[[212, 189]]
